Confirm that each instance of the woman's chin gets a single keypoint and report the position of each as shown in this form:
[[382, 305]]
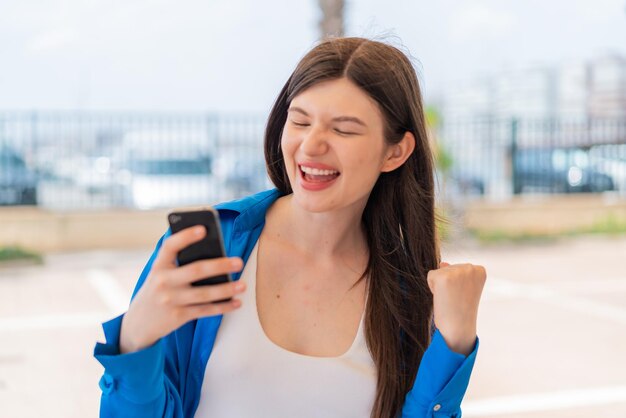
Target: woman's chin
[[314, 201]]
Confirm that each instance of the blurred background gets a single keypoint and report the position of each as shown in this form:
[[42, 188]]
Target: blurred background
[[114, 113]]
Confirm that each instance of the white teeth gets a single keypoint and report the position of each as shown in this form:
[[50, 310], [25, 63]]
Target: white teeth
[[317, 172]]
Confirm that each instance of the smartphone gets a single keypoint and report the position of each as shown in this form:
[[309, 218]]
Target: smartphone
[[211, 246]]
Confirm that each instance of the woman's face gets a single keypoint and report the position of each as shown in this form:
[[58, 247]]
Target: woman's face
[[333, 146]]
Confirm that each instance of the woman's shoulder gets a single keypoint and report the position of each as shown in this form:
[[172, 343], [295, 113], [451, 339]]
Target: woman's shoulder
[[244, 204], [249, 211]]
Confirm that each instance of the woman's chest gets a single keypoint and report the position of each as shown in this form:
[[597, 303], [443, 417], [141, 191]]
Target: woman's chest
[[305, 307], [249, 375]]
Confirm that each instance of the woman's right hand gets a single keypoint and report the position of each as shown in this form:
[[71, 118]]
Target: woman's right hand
[[167, 300]]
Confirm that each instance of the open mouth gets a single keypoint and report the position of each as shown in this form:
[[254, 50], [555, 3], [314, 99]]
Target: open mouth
[[316, 175]]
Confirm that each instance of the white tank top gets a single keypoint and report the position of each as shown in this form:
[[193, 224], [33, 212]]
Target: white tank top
[[249, 376]]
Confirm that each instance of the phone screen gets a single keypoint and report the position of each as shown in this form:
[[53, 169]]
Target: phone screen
[[211, 246]]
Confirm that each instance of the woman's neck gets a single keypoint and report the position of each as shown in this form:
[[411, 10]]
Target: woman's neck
[[325, 235]]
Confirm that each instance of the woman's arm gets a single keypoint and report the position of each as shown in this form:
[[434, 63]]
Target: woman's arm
[[139, 384], [142, 377], [136, 384], [445, 369], [441, 382]]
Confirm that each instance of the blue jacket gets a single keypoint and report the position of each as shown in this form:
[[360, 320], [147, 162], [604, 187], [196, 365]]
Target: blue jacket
[[164, 380]]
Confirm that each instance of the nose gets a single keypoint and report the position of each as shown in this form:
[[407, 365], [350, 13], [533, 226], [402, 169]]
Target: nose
[[314, 142]]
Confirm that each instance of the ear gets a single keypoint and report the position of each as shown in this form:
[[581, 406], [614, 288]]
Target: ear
[[398, 153]]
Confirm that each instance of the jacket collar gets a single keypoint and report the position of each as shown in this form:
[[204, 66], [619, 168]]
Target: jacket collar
[[251, 209]]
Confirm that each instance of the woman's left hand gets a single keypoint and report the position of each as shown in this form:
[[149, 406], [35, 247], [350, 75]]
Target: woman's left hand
[[456, 294]]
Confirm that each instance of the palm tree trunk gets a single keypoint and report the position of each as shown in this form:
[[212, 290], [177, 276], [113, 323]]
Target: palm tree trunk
[[331, 23]]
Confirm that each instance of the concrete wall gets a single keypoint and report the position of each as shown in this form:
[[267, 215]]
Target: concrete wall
[[45, 231], [545, 214]]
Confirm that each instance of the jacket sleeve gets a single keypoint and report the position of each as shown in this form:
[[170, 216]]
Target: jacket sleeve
[[441, 382], [143, 383]]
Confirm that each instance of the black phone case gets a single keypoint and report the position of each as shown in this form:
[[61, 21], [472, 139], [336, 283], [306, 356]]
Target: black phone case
[[211, 246]]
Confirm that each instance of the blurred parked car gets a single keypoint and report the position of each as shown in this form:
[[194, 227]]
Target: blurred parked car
[[561, 170], [165, 169], [18, 184], [610, 160], [241, 171], [159, 182], [100, 175]]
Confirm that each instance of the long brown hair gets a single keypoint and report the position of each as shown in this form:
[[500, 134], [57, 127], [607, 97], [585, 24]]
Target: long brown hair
[[399, 217]]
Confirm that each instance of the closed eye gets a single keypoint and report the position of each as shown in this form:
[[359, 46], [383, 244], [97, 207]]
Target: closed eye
[[299, 123], [340, 132]]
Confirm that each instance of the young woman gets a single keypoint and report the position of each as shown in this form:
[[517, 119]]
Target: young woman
[[340, 305]]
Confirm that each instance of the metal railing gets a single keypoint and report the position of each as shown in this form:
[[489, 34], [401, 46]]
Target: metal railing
[[70, 160], [499, 158], [86, 160]]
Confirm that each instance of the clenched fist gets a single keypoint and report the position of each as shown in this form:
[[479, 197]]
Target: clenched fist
[[456, 294]]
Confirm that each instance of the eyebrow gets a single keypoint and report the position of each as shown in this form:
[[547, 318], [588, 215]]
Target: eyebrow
[[337, 119]]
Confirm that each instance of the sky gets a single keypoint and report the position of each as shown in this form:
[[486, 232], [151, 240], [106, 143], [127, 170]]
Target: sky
[[235, 55]]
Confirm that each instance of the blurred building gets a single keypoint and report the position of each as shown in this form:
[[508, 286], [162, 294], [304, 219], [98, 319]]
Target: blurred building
[[572, 85], [471, 99], [530, 92], [607, 87], [576, 90], [486, 120]]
